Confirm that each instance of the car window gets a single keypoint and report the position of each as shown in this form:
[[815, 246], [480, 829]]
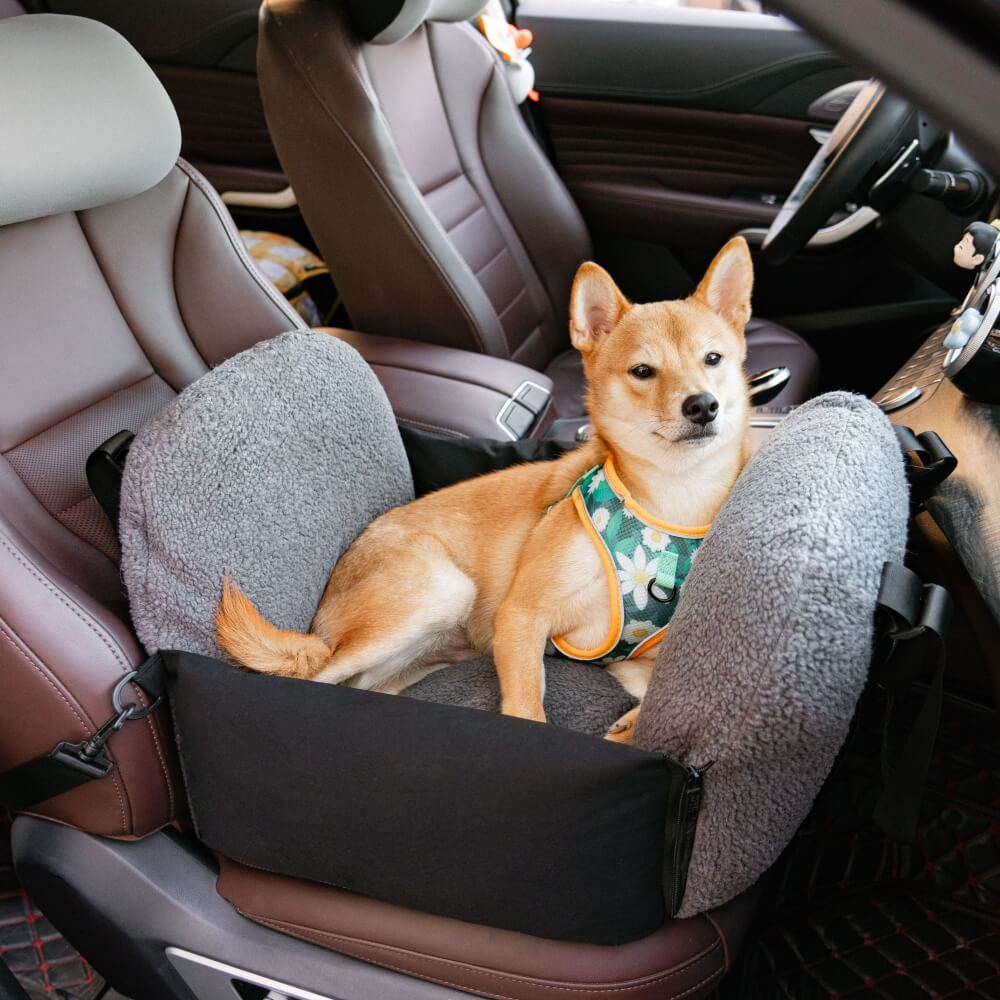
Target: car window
[[749, 6]]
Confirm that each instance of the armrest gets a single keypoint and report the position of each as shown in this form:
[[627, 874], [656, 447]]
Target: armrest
[[456, 392]]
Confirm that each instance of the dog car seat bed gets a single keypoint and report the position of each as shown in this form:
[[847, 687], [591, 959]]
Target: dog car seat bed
[[271, 464]]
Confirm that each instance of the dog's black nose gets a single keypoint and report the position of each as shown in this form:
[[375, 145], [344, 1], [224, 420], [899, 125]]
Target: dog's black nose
[[700, 409]]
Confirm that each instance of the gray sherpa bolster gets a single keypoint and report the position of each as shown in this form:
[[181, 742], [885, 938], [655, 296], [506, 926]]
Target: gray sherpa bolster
[[771, 643], [266, 468]]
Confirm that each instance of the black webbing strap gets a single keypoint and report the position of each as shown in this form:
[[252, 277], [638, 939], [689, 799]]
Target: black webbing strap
[[928, 462], [105, 469], [68, 765], [914, 623]]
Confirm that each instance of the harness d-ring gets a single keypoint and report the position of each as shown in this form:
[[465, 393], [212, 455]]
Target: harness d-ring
[[671, 593]]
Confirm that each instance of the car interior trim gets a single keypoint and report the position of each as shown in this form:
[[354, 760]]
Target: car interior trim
[[271, 200], [841, 230]]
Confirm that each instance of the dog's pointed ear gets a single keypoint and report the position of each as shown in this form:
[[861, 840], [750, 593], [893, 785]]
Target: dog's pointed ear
[[728, 283], [595, 307]]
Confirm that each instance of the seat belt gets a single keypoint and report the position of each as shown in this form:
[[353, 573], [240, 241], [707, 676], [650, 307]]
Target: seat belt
[[68, 765], [914, 621]]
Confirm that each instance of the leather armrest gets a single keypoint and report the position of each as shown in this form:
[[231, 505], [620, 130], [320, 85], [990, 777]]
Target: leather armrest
[[455, 392]]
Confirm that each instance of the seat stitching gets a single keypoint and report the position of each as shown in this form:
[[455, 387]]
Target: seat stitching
[[79, 503], [465, 171], [86, 723], [84, 408], [441, 185], [461, 222], [117, 653], [497, 255], [504, 977], [88, 726], [451, 432], [102, 634], [404, 218], [513, 302], [726, 957], [548, 306], [229, 226], [107, 285], [114, 649]]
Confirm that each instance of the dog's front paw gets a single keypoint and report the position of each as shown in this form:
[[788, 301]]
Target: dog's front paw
[[623, 730]]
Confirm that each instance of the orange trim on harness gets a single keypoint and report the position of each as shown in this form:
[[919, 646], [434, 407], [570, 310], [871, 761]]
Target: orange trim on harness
[[671, 529], [615, 631]]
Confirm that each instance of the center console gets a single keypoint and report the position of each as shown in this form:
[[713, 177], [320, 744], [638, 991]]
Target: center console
[[951, 385]]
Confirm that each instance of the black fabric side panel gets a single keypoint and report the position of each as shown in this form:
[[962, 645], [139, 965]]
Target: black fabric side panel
[[438, 461], [447, 810]]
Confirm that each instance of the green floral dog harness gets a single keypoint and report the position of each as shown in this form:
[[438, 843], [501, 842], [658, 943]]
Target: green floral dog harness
[[646, 561]]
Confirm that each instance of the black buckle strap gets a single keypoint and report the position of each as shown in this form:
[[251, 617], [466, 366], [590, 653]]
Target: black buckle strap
[[915, 621], [68, 765], [928, 462], [105, 469]]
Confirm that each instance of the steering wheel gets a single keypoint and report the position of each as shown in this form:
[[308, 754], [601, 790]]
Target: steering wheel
[[872, 128]]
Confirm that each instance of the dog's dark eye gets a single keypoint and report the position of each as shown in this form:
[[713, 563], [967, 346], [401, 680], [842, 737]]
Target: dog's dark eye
[[641, 371], [712, 359]]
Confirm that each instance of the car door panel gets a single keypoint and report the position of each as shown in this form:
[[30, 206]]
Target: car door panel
[[676, 125], [711, 59], [645, 170]]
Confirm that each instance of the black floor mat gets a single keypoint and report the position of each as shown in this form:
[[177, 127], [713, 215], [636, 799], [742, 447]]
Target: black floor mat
[[43, 961], [850, 913]]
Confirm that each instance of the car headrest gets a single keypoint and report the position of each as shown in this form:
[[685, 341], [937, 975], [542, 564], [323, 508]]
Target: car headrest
[[384, 22], [84, 120]]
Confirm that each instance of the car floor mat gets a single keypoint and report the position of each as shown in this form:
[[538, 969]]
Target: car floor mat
[[43, 961], [851, 913]]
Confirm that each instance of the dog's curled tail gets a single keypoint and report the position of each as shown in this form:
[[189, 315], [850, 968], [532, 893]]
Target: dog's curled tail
[[252, 641]]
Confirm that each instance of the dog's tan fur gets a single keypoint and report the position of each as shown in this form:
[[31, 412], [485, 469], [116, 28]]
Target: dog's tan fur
[[480, 567]]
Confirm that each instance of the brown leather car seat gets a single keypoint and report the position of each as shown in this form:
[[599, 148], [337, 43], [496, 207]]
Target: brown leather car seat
[[107, 313], [122, 280], [436, 211]]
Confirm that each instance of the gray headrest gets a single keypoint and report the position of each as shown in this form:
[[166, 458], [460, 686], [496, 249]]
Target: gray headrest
[[383, 22], [83, 120]]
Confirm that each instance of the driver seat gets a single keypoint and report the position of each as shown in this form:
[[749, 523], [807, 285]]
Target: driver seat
[[428, 197]]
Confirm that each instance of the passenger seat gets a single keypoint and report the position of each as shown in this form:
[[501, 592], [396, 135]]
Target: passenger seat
[[122, 280]]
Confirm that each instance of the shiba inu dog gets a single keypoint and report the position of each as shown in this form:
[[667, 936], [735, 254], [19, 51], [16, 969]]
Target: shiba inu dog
[[587, 551]]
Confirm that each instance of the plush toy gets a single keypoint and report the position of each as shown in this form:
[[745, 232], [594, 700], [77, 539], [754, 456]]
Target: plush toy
[[514, 46], [974, 250]]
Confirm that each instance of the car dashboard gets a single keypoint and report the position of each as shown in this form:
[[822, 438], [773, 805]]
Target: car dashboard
[[923, 396]]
